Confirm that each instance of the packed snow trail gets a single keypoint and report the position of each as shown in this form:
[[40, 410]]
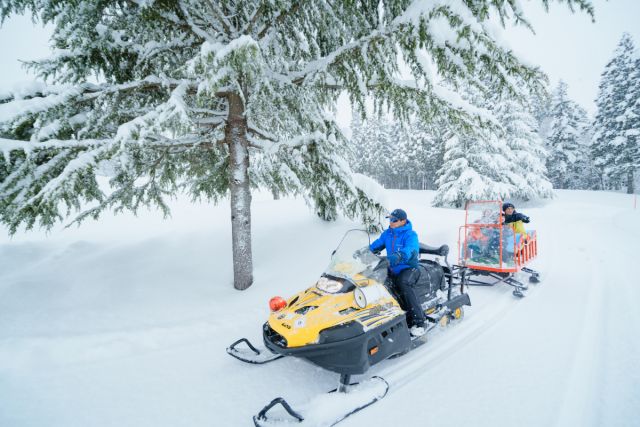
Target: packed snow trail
[[126, 321], [565, 355]]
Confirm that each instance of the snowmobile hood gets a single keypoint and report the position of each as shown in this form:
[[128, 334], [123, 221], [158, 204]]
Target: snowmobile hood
[[307, 314]]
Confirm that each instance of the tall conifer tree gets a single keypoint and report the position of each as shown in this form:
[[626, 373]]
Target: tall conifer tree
[[216, 97], [527, 155], [568, 126], [616, 129]]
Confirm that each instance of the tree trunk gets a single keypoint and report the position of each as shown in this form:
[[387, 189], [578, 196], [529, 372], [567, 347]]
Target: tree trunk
[[236, 138], [630, 183]]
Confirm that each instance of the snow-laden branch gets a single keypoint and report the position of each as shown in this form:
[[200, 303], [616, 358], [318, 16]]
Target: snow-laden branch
[[9, 145], [47, 97], [28, 90], [19, 107], [82, 161], [192, 24], [280, 18], [253, 128], [11, 186], [271, 147]]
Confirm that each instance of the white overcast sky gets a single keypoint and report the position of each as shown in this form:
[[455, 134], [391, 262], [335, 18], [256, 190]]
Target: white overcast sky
[[567, 46]]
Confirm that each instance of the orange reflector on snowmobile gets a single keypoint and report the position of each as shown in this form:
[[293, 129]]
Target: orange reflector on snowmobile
[[277, 303], [373, 350]]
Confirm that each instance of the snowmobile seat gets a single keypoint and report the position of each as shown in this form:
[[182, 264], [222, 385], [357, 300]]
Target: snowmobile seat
[[432, 250], [431, 278]]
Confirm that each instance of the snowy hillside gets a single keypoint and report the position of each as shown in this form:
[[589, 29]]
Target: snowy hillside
[[124, 322]]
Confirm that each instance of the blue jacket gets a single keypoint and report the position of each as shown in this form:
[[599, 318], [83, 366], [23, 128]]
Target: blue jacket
[[402, 247]]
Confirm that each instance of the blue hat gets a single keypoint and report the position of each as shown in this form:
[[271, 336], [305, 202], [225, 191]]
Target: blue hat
[[399, 214], [507, 205]]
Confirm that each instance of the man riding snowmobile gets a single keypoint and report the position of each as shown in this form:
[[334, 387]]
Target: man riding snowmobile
[[402, 246]]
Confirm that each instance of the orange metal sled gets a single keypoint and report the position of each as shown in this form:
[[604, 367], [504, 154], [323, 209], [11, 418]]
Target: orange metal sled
[[490, 248]]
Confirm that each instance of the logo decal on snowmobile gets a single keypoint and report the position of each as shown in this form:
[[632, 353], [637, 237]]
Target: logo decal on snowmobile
[[300, 322], [285, 325]]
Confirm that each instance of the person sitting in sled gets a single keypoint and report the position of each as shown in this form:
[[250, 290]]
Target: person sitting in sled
[[515, 222], [401, 244], [483, 239], [514, 219]]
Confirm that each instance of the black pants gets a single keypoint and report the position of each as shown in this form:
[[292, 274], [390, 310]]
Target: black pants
[[405, 283]]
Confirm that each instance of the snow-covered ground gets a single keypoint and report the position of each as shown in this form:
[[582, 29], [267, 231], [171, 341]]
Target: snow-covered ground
[[124, 322]]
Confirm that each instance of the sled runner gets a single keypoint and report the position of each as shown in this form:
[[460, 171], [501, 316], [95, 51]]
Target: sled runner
[[492, 252], [349, 320]]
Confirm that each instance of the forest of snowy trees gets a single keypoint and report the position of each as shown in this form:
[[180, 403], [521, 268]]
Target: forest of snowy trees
[[142, 100], [548, 140], [215, 99]]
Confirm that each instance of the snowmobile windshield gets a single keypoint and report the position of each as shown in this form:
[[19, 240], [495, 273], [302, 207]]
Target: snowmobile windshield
[[353, 257]]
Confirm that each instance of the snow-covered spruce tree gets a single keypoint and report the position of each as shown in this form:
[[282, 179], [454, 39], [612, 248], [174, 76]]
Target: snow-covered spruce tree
[[429, 140], [372, 156], [216, 97], [475, 167], [567, 129], [540, 107], [422, 145], [397, 155], [526, 152], [616, 129], [587, 176]]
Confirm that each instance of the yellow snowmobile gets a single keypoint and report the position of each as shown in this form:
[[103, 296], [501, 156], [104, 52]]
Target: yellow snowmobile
[[352, 318]]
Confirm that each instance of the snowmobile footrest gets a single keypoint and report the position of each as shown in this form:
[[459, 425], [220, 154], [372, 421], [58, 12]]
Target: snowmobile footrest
[[262, 415]]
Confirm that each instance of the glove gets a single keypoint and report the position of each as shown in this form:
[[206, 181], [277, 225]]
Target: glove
[[525, 219], [360, 252], [394, 259]]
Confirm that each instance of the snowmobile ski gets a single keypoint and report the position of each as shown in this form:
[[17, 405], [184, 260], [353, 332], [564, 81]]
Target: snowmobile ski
[[254, 356], [326, 409]]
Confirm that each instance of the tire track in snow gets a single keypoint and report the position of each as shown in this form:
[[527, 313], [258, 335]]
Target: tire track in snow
[[616, 387], [582, 381], [449, 341], [581, 405]]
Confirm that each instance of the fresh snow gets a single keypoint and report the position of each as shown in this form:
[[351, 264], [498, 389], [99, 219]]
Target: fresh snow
[[125, 321]]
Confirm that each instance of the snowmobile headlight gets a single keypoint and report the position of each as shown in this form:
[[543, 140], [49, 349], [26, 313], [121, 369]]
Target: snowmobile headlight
[[328, 285], [360, 297]]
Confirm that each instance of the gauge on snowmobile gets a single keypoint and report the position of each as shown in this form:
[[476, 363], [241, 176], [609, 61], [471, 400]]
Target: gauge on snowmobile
[[359, 296], [370, 294]]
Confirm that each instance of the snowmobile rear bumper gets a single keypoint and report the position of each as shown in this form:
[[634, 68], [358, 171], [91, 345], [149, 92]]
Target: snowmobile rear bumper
[[347, 348]]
